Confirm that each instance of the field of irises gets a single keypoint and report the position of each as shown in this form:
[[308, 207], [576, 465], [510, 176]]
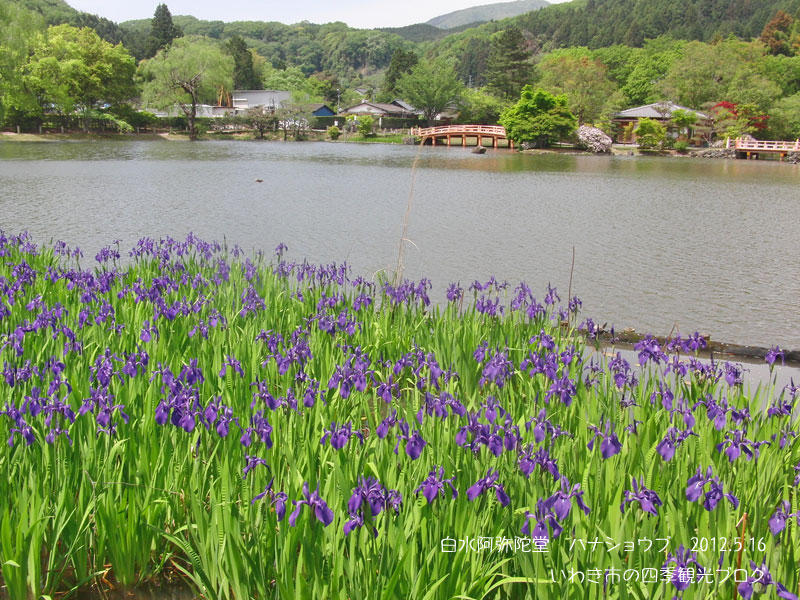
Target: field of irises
[[273, 429]]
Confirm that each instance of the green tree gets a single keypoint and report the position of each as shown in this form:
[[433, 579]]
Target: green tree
[[73, 69], [403, 61], [777, 33], [162, 31], [785, 119], [365, 125], [583, 79], [431, 87], [509, 66], [651, 66], [244, 75], [684, 120], [539, 118], [478, 107], [18, 29], [190, 71], [259, 121], [650, 134]]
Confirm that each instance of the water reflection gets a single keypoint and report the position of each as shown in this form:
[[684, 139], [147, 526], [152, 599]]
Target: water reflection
[[701, 244]]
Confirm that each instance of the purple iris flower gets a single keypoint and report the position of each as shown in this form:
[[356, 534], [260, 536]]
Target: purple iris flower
[[371, 493], [383, 427], [278, 499], [312, 499], [735, 443], [259, 425], [610, 445], [696, 485], [763, 579], [649, 349], [777, 522], [414, 441], [231, 362], [528, 460], [454, 292], [339, 436], [543, 517], [561, 501], [647, 499], [433, 485], [541, 425], [673, 439], [680, 574], [489, 483], [734, 374], [252, 463], [773, 354], [497, 369]]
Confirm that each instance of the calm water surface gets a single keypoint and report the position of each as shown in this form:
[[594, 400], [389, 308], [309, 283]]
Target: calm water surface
[[700, 244]]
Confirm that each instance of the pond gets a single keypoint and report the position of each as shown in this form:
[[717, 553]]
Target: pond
[[659, 243]]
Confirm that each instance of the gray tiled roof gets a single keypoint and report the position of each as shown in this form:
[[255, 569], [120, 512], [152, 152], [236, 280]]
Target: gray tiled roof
[[657, 110]]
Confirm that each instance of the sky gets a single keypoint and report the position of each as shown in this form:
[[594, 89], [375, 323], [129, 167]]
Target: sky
[[367, 14]]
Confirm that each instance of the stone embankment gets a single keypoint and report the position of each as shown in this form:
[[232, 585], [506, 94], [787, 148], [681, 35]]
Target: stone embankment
[[792, 157]]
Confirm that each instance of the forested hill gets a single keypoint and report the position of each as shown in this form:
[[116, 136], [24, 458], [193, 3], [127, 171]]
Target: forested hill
[[486, 12], [57, 12], [601, 23]]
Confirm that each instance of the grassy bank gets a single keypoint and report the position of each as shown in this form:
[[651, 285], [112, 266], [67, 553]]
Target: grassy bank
[[268, 428]]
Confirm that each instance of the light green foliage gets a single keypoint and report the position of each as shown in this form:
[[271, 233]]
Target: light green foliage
[[784, 71], [431, 86], [17, 33], [291, 79], [651, 66], [190, 71], [334, 132], [729, 70], [538, 118], [650, 134], [684, 120], [365, 125], [73, 69], [582, 78], [478, 107], [784, 123]]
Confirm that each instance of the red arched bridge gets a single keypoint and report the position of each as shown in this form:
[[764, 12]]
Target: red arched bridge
[[446, 134]]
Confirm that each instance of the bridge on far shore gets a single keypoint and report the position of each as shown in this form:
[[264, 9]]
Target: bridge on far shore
[[752, 148], [446, 133]]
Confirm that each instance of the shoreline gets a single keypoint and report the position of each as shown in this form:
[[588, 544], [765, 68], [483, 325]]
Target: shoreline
[[321, 136]]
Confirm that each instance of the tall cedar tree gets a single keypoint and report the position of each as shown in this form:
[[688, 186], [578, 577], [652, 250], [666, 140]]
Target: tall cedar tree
[[244, 75], [402, 62], [162, 31], [509, 66]]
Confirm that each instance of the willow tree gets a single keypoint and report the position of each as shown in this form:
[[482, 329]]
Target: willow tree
[[431, 87], [188, 72]]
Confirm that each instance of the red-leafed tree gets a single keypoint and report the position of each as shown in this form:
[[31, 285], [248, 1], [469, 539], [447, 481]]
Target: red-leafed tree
[[735, 120]]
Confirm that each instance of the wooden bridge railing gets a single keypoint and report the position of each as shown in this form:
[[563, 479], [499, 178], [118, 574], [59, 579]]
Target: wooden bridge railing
[[488, 130], [766, 146]]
